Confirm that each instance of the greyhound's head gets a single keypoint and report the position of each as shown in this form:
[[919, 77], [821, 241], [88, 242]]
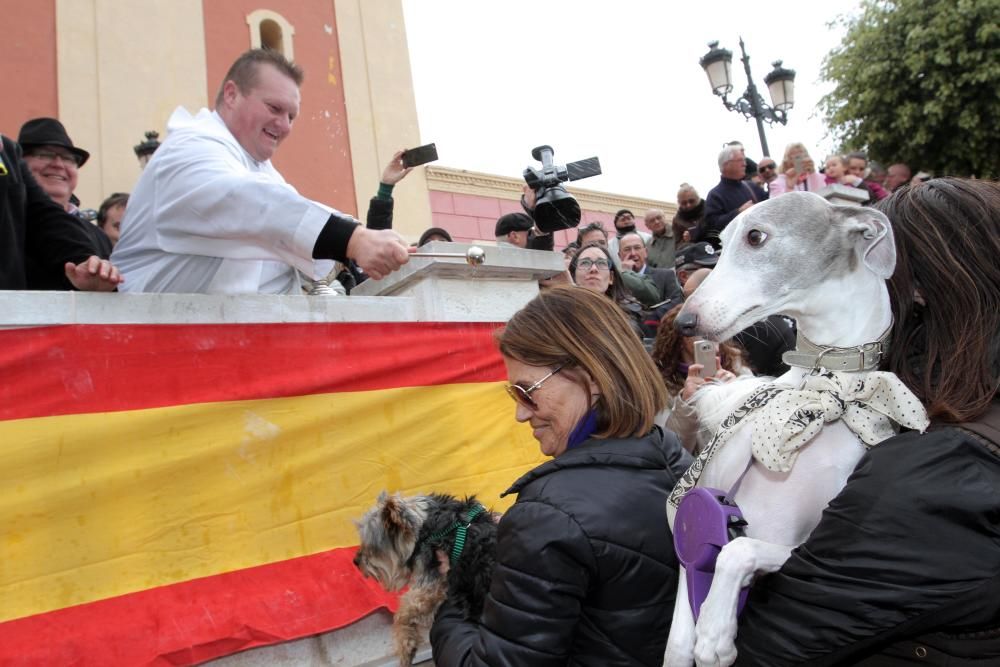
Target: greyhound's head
[[795, 255]]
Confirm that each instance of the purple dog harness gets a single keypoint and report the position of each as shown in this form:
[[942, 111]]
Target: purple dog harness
[[707, 519]]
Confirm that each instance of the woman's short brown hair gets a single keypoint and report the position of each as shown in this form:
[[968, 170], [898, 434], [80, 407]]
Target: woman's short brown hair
[[573, 326], [947, 348]]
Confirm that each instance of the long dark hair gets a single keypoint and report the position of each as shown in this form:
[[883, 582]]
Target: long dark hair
[[946, 294]]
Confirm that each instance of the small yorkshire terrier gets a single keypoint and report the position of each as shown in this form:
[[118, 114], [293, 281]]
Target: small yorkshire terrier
[[400, 538]]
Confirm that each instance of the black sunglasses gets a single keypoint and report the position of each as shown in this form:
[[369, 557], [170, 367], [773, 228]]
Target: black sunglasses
[[766, 166], [523, 395]]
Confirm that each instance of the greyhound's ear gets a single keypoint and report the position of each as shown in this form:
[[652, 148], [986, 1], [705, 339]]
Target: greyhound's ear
[[874, 239]]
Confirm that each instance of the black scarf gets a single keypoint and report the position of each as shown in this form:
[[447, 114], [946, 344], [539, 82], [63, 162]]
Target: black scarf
[[694, 215]]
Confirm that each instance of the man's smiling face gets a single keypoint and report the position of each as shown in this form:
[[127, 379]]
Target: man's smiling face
[[263, 117]]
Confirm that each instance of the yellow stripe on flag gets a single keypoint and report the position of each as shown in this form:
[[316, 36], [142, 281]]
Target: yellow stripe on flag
[[99, 505]]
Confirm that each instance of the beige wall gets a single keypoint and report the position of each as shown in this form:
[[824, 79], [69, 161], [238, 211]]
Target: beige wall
[[381, 107], [124, 66]]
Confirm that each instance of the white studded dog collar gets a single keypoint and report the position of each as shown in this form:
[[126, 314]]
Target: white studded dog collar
[[808, 354]]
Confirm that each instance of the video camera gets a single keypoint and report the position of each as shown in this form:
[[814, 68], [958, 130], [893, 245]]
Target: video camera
[[555, 208]]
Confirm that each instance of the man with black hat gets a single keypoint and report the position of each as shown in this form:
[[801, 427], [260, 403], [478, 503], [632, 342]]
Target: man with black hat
[[35, 230], [518, 229], [55, 161]]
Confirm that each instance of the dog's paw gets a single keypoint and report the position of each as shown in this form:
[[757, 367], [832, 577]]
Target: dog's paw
[[678, 656], [715, 643]]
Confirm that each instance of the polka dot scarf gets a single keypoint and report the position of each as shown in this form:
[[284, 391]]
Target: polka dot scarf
[[873, 405]]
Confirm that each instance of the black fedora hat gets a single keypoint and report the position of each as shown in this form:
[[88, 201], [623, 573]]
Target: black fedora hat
[[49, 132]]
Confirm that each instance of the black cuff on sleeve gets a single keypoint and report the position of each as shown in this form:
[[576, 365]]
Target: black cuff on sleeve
[[379, 214], [332, 241]]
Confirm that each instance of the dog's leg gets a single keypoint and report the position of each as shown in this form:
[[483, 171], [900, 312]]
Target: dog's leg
[[680, 644], [738, 562], [414, 618], [406, 626]]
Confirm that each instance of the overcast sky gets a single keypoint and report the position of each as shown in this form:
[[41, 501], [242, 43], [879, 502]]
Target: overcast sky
[[620, 81]]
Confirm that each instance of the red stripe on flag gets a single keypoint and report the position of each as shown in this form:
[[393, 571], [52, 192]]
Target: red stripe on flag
[[194, 621], [106, 368]]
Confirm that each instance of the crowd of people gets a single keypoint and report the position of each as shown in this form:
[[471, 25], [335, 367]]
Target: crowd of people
[[586, 570]]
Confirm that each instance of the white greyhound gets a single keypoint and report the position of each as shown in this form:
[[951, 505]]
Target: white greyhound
[[825, 266]]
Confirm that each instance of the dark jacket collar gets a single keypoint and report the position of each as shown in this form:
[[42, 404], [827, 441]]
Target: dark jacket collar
[[647, 452]]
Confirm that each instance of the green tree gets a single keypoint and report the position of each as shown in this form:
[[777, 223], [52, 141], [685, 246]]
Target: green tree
[[918, 81]]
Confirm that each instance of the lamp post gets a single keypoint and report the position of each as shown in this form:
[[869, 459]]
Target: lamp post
[[717, 64], [145, 150]]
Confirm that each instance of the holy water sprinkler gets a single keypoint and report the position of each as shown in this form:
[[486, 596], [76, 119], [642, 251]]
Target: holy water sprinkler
[[474, 256]]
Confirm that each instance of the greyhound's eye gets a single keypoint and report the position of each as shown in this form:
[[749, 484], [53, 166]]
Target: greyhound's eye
[[755, 237]]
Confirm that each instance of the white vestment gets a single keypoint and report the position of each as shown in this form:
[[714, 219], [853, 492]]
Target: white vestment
[[205, 217]]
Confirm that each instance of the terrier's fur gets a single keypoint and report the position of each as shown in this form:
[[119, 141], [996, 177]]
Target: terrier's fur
[[397, 551]]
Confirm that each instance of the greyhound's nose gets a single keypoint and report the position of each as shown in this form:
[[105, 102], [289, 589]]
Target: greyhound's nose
[[357, 559], [686, 323]]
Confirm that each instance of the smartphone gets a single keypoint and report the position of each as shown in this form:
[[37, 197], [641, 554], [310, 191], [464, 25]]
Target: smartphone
[[798, 164], [420, 155], [704, 354]]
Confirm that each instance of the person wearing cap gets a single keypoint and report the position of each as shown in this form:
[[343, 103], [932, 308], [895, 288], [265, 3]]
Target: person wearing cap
[[211, 214], [37, 232], [434, 234], [53, 159], [518, 229], [692, 257], [55, 163]]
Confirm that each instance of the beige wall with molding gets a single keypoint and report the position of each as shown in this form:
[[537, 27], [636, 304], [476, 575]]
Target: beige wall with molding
[[124, 66], [381, 107]]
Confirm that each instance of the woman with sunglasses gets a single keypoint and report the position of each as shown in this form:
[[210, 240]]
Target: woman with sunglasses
[[583, 573], [592, 268]]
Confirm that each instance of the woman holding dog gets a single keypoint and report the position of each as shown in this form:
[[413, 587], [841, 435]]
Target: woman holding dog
[[904, 567], [584, 573]]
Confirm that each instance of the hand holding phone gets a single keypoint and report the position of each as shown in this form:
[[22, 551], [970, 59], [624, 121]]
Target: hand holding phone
[[420, 155], [704, 354]]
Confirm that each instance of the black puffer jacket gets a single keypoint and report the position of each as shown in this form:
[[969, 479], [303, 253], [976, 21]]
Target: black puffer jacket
[[37, 237], [904, 567], [586, 572]]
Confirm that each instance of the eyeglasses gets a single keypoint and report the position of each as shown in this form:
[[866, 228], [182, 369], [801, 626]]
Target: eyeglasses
[[523, 396], [766, 166], [587, 264], [50, 156]]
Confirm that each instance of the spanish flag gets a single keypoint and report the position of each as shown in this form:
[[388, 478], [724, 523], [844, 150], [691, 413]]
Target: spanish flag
[[174, 493]]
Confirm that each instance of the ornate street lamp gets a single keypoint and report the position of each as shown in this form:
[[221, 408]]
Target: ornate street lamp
[[145, 150], [717, 64]]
